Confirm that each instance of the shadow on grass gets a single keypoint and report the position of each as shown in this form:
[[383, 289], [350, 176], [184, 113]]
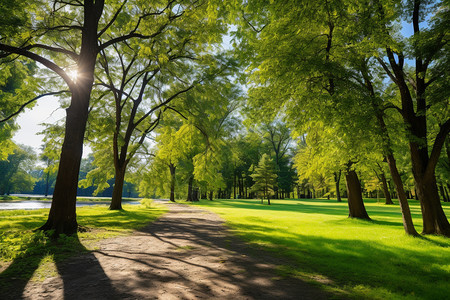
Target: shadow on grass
[[15, 278], [189, 243], [366, 265], [37, 249]]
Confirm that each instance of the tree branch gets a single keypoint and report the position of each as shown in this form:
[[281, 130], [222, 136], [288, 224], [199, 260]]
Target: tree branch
[[47, 63], [30, 101], [386, 69], [444, 130], [163, 103], [113, 19], [73, 55]]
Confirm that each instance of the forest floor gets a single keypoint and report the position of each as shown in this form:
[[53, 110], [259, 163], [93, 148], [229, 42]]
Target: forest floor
[[186, 254]]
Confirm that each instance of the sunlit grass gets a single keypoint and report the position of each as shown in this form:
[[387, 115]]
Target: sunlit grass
[[26, 254], [364, 259]]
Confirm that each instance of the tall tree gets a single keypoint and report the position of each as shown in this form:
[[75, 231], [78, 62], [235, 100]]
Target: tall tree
[[265, 177], [145, 77], [428, 48], [69, 35]]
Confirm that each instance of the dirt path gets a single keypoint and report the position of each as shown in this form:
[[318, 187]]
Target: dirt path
[[187, 254]]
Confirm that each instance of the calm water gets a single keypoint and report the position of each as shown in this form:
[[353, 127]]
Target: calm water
[[35, 204]]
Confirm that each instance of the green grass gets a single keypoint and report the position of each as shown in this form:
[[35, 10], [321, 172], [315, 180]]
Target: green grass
[[354, 258], [27, 255]]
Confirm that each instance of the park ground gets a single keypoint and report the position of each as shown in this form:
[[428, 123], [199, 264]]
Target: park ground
[[293, 249]]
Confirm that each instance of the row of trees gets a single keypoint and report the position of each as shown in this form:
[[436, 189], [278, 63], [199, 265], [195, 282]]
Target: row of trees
[[343, 73], [153, 84]]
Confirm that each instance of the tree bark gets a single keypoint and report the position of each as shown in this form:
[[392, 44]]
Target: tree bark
[[119, 179], [172, 168], [355, 201], [408, 224], [62, 215], [434, 219], [195, 194]]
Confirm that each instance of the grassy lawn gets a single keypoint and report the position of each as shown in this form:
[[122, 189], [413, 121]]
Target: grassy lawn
[[360, 259], [26, 255]]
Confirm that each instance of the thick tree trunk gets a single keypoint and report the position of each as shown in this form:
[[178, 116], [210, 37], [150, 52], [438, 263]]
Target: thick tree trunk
[[119, 179], [62, 215], [211, 195], [337, 180], [434, 219], [387, 194], [172, 168], [195, 194], [355, 201]]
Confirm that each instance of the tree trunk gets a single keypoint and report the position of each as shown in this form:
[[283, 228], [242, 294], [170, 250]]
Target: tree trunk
[[434, 219], [387, 194], [195, 194], [62, 215], [444, 195], [190, 196], [234, 184], [446, 191], [355, 201], [404, 205], [172, 168], [119, 179], [211, 195], [337, 180]]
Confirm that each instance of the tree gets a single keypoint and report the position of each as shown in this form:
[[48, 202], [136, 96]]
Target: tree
[[15, 88], [141, 79], [322, 76], [278, 136], [15, 171], [265, 178], [428, 47], [69, 35]]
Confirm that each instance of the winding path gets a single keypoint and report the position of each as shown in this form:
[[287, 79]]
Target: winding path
[[186, 254]]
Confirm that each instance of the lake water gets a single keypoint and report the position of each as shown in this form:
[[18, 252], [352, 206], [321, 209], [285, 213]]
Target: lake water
[[35, 204]]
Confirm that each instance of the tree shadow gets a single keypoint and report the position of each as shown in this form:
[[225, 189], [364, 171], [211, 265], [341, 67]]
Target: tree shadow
[[71, 272], [355, 262], [187, 256]]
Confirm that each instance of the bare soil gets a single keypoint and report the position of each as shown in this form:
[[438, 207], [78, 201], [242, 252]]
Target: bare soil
[[186, 254]]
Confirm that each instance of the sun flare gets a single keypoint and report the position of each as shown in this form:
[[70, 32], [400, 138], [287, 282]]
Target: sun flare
[[73, 74]]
